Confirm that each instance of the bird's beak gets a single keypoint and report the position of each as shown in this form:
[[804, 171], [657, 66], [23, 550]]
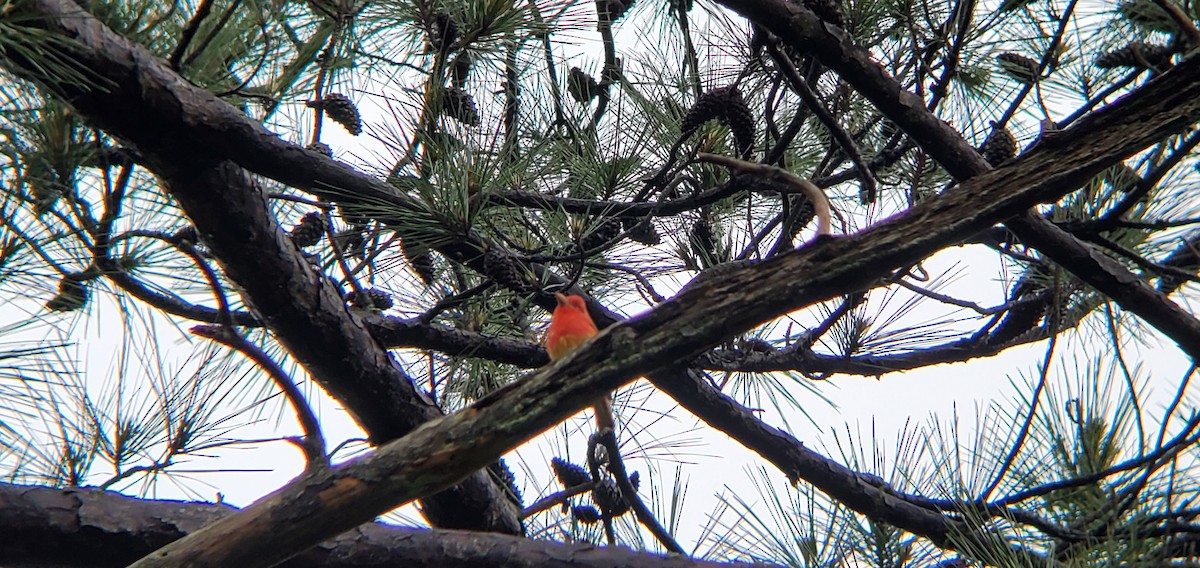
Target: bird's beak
[[561, 298]]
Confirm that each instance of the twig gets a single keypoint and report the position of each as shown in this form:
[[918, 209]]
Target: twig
[[869, 185], [960, 303], [189, 32], [641, 278], [814, 194], [617, 467], [454, 300], [556, 498]]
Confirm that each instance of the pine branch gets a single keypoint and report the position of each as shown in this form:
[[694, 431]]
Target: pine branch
[[123, 529]]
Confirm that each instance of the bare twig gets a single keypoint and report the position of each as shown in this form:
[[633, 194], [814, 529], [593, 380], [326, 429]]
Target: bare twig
[[616, 466], [814, 194]]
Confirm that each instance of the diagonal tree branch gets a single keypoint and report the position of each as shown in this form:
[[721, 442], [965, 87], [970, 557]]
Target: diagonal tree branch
[[804, 31]]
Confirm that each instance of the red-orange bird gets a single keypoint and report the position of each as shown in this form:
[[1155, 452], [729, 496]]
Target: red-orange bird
[[570, 327]]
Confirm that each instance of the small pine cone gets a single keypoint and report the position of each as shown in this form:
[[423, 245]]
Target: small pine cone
[[641, 231], [999, 146], [606, 231], [340, 109], [635, 479], [442, 33], [802, 214], [586, 514], [608, 496], [828, 10], [1019, 67], [371, 298], [710, 105], [320, 147], [309, 230], [1137, 55], [72, 294], [421, 261], [505, 271], [582, 87], [727, 105], [704, 245], [569, 474], [460, 106], [502, 473], [740, 121]]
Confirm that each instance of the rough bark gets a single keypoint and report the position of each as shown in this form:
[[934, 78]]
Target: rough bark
[[131, 95], [47, 527]]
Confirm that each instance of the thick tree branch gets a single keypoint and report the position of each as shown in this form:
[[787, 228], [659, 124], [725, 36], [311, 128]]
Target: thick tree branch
[[87, 528], [803, 30]]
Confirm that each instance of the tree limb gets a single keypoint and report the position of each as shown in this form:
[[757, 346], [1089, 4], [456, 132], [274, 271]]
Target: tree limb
[[87, 528]]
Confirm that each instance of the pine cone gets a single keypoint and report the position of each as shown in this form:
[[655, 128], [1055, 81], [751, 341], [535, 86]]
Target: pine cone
[[710, 106], [501, 472], [459, 105], [72, 294], [727, 105], [340, 109], [309, 230], [1019, 67], [460, 70], [608, 496], [1137, 55], [607, 230], [740, 122], [505, 271], [371, 298], [421, 261], [441, 33], [641, 231], [802, 213], [999, 146], [582, 87], [612, 10], [569, 474], [704, 245], [586, 514]]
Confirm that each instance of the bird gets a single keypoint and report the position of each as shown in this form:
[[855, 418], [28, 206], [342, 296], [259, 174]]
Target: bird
[[570, 327]]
